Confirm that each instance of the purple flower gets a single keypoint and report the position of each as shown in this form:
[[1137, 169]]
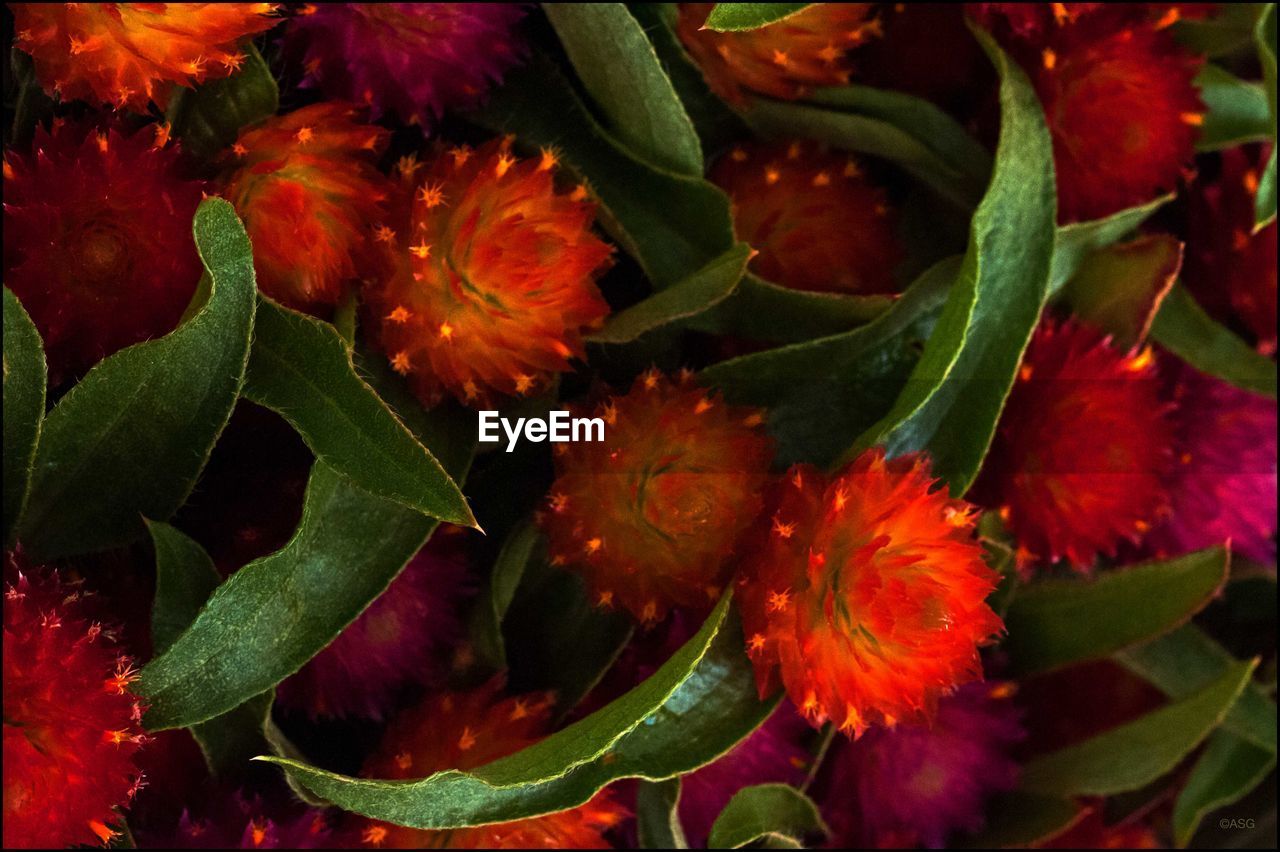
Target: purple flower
[[237, 821], [772, 754], [1223, 484], [914, 785], [404, 637], [412, 59]]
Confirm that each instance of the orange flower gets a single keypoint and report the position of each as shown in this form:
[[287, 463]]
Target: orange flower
[[650, 515], [464, 730], [307, 189], [1082, 447], [816, 222], [127, 54], [491, 283], [865, 593], [781, 60]]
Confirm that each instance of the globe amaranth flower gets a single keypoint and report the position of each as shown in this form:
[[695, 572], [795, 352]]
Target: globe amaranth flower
[[917, 784], [785, 59], [1223, 481], [71, 720], [864, 593], [650, 515], [129, 54], [1080, 453], [238, 821], [97, 240], [490, 283], [773, 754], [306, 186], [1230, 268], [403, 638], [412, 59], [1121, 105], [814, 220], [463, 730]]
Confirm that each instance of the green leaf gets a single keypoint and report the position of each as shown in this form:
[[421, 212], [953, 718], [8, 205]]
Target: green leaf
[[953, 399], [920, 119], [699, 292], [131, 437], [821, 392], [765, 810], [1020, 820], [1182, 327], [672, 224], [210, 117], [621, 72], [1181, 662], [1265, 37], [1075, 242], [732, 17], [1230, 30], [185, 578], [658, 815], [761, 310], [301, 368], [865, 135], [1236, 111], [696, 707], [1137, 753], [1227, 770], [495, 597], [24, 389], [1053, 623], [1120, 288]]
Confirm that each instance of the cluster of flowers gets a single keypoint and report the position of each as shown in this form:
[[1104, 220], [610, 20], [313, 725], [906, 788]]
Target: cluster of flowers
[[862, 591]]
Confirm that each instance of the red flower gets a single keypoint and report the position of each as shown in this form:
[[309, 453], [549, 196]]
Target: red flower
[[864, 593], [1082, 447], [491, 281], [127, 54], [815, 221], [464, 730], [70, 720], [650, 515], [97, 241], [307, 189], [782, 60], [1120, 101]]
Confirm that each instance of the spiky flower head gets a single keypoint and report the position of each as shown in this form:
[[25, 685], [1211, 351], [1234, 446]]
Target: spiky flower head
[[403, 638], [785, 59], [1081, 449], [130, 54], [773, 754], [814, 220], [1230, 268], [463, 730], [1120, 101], [864, 593], [412, 59], [306, 186], [650, 515], [71, 720], [490, 283], [917, 784], [1223, 481], [97, 240]]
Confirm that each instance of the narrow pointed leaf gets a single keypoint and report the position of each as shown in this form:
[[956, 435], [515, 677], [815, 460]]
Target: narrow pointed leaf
[[658, 815], [761, 310], [1137, 753], [765, 810], [1119, 289], [24, 389], [730, 17], [495, 597], [301, 368], [1225, 772], [1075, 242], [1182, 327], [1265, 37], [1237, 111], [1020, 820], [131, 437], [621, 72]]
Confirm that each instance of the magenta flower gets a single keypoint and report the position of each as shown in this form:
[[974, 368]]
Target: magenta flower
[[1223, 484], [403, 638], [412, 59], [914, 785], [237, 821]]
